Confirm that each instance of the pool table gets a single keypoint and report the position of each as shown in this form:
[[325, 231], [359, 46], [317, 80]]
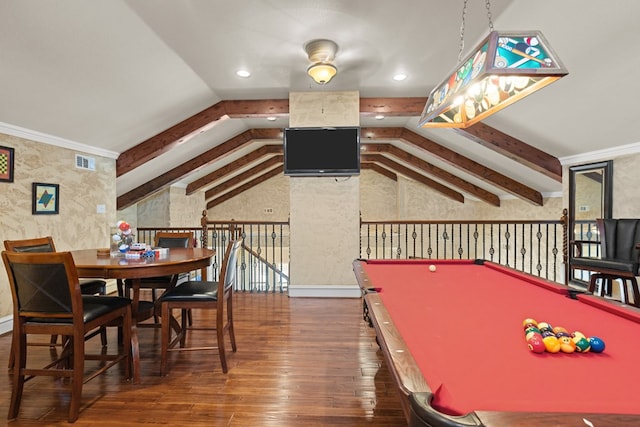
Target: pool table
[[454, 342]]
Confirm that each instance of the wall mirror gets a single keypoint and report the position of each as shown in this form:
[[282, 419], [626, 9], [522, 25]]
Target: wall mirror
[[590, 197]]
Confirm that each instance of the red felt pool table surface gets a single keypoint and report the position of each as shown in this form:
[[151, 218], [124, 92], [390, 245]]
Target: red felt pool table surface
[[463, 326]]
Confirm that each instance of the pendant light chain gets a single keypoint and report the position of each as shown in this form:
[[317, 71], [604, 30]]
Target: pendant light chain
[[464, 14], [488, 5]]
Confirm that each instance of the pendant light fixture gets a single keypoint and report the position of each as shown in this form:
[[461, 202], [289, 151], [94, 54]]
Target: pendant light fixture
[[504, 68]]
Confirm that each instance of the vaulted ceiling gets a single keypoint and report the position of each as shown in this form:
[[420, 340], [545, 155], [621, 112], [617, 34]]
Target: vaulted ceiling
[[153, 84]]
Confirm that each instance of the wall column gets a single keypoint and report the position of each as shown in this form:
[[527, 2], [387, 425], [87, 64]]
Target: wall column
[[324, 211]]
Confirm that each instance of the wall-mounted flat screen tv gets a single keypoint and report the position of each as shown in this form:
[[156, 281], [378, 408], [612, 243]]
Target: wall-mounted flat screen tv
[[326, 151]]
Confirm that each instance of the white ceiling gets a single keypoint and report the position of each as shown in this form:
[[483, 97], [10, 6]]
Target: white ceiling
[[111, 74]]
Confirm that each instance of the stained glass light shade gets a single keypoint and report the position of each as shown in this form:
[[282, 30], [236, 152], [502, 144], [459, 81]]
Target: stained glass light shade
[[504, 68]]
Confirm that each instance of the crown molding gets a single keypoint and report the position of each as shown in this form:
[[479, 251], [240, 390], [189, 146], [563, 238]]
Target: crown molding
[[598, 155], [54, 140]]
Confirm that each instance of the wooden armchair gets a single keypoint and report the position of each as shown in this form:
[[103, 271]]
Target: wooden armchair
[[619, 256]]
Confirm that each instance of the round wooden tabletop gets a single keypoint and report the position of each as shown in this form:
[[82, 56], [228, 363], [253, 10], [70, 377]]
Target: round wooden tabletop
[[178, 260]]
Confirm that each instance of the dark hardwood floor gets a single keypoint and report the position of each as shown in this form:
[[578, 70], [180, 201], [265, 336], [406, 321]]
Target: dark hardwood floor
[[300, 362]]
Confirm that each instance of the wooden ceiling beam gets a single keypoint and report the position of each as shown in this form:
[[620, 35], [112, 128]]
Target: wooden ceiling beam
[[380, 169], [435, 171], [220, 173], [514, 149], [190, 166], [244, 176], [166, 140], [473, 168], [231, 194], [410, 173], [392, 107]]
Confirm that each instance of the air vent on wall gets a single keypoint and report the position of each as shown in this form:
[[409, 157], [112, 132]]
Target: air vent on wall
[[83, 162]]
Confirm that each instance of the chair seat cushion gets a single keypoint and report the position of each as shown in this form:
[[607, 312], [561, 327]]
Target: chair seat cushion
[[94, 307], [195, 290], [622, 265]]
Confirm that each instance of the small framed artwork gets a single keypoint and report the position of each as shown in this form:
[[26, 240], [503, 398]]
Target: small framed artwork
[[46, 198], [6, 164]]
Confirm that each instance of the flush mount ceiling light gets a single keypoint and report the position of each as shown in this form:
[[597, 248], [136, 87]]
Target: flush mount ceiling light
[[321, 53], [504, 68]]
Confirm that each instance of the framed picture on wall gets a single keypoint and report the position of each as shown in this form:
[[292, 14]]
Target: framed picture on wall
[[46, 198], [6, 164]]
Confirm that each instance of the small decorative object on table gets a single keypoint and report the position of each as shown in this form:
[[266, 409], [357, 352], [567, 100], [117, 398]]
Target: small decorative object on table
[[121, 238]]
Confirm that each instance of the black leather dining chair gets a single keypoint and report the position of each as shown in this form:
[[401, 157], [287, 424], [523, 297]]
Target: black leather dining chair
[[87, 286], [47, 300], [199, 294]]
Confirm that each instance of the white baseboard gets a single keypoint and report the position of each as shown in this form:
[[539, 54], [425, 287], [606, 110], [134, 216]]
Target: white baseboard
[[326, 291]]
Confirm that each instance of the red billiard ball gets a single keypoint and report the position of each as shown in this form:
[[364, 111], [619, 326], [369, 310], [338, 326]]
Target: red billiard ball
[[597, 345], [536, 344]]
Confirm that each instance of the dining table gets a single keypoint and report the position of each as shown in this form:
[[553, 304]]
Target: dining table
[[95, 263]]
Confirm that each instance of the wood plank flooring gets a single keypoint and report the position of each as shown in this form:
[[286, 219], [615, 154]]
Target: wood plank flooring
[[300, 362]]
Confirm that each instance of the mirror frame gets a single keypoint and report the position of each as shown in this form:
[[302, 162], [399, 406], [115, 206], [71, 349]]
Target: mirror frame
[[607, 197]]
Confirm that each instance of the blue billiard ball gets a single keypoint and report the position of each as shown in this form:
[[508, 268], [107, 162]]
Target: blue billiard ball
[[597, 345]]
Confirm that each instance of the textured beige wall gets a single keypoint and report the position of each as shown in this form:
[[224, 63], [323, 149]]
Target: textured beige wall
[[378, 197], [251, 204], [626, 179], [185, 211], [77, 226], [324, 231], [154, 211], [419, 202]]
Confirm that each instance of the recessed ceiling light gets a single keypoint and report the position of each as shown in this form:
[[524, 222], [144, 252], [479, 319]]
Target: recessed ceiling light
[[243, 73], [272, 118], [399, 77], [379, 117]]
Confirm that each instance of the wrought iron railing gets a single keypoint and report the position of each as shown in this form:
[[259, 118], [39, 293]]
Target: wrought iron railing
[[534, 247], [264, 261]]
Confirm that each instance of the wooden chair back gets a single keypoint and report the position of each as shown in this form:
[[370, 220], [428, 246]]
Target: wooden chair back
[[44, 285], [170, 239], [38, 244]]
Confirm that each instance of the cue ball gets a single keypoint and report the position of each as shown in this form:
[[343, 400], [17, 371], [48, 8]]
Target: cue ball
[[432, 268]]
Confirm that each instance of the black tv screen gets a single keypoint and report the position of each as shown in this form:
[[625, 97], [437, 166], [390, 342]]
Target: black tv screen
[[330, 151]]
